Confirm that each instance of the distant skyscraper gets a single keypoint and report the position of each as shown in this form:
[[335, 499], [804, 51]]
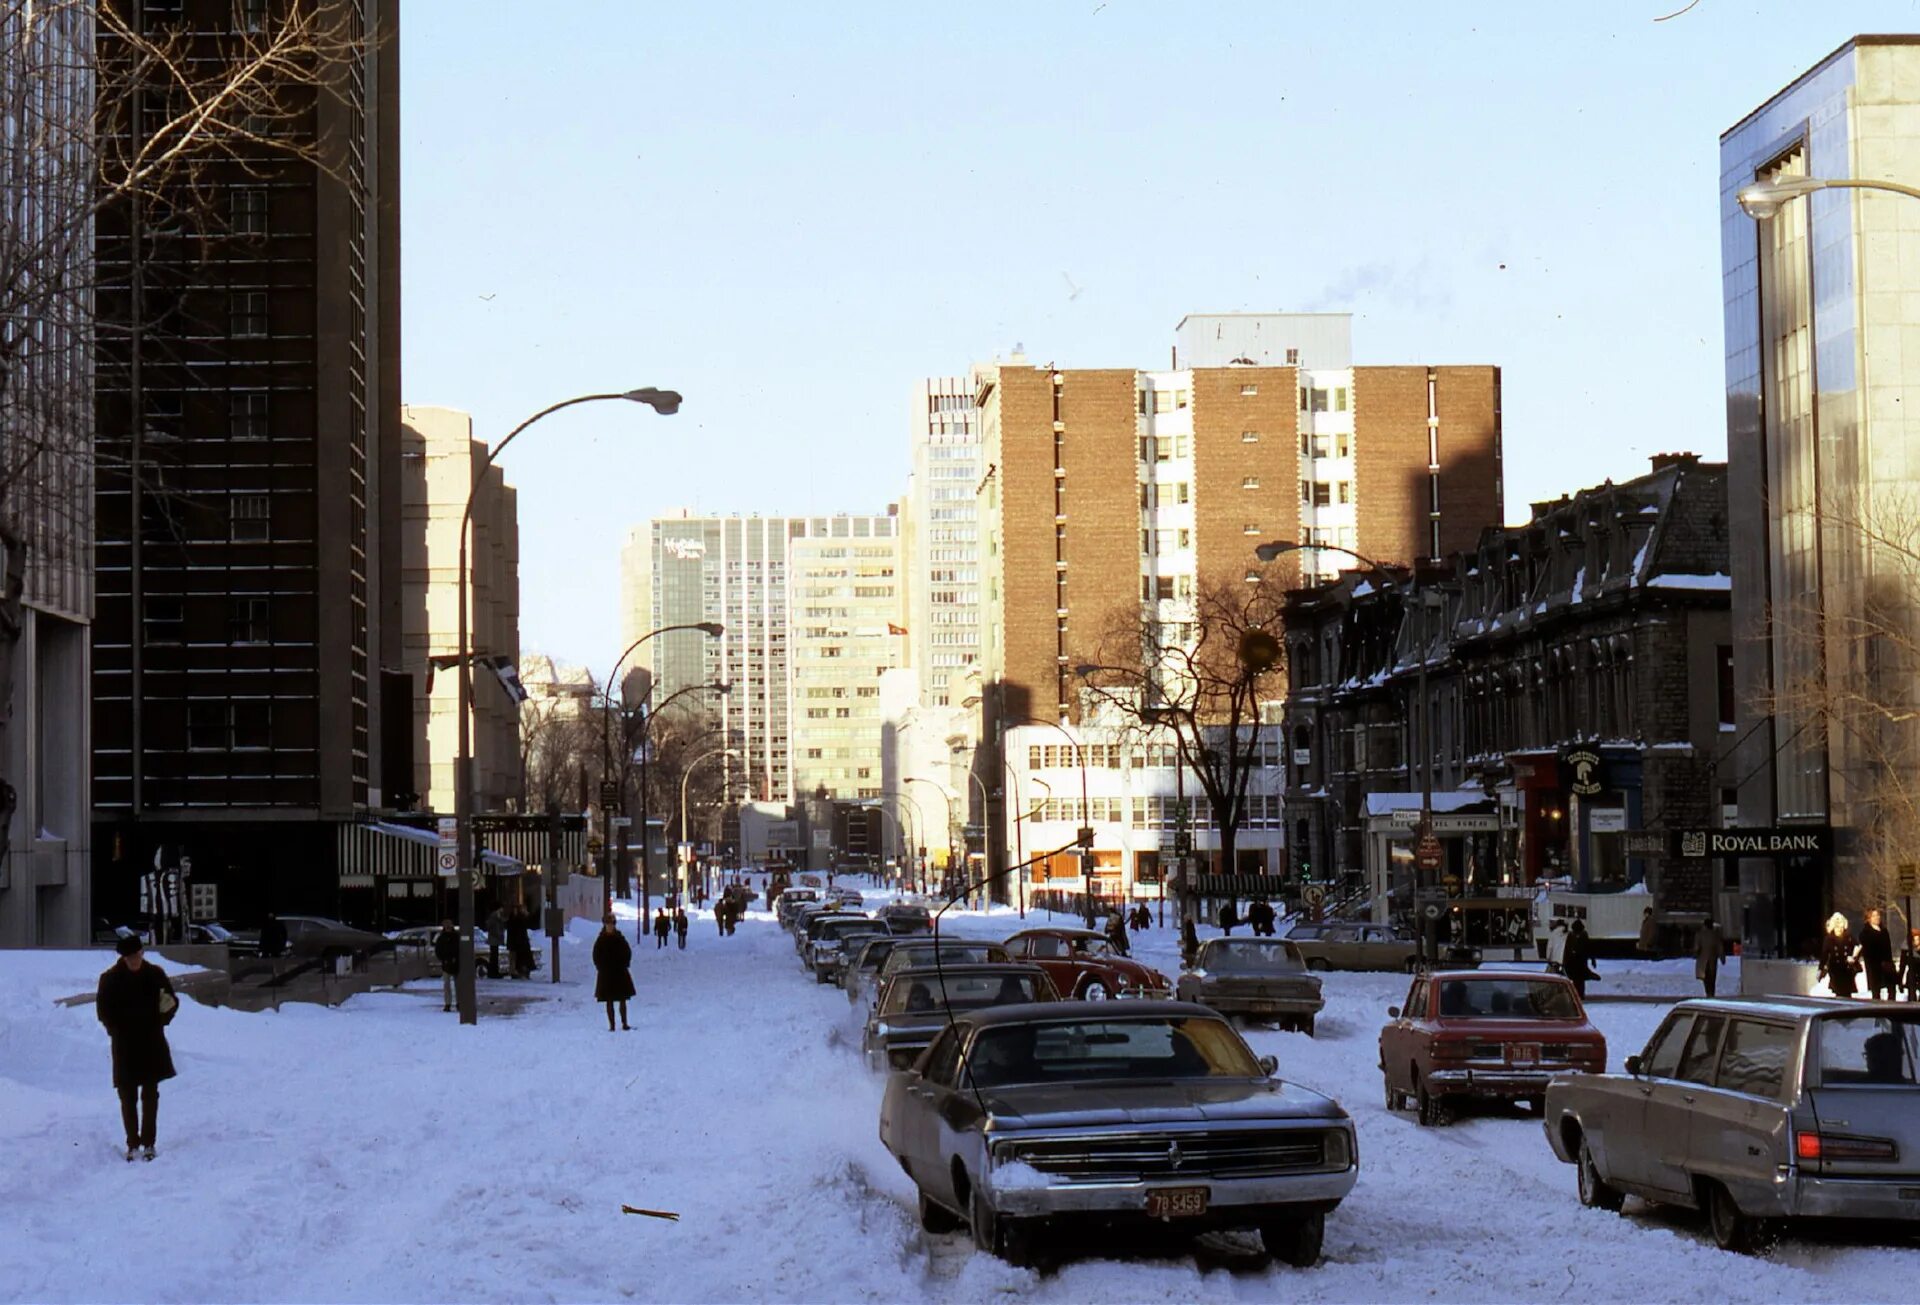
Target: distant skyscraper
[[843, 633], [943, 535], [685, 569]]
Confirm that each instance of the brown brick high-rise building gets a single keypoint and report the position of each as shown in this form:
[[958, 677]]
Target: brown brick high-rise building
[[248, 400]]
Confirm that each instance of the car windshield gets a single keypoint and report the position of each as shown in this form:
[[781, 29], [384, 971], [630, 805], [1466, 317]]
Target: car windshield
[[1305, 930], [950, 954], [1078, 1051], [918, 994], [846, 928], [1090, 947], [1870, 1050], [1249, 957], [1512, 999]]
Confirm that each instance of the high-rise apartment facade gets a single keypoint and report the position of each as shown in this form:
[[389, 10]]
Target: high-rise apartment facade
[[844, 607], [1114, 497], [1823, 451], [943, 536], [685, 569], [439, 457], [247, 625], [46, 469]]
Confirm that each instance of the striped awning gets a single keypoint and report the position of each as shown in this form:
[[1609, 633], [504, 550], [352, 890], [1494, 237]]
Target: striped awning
[[388, 851]]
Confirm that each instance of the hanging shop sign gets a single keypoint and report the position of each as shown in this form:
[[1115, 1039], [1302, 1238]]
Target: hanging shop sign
[[1788, 841], [1584, 770]]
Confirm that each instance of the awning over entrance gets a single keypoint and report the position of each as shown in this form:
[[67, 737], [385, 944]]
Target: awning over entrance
[[378, 850]]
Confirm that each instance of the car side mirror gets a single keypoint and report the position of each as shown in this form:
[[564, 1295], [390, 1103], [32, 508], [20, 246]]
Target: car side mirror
[[1393, 1012], [1633, 1066], [1269, 1065]]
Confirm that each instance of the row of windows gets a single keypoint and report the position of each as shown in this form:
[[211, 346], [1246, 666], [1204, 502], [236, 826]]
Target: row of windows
[[1323, 493], [1323, 400], [1257, 811], [249, 620]]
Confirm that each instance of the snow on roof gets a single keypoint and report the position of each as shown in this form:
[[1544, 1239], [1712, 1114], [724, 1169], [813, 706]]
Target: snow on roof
[[1715, 581]]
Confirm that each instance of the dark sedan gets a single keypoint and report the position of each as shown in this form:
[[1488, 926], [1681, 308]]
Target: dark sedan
[[916, 1004], [1259, 978]]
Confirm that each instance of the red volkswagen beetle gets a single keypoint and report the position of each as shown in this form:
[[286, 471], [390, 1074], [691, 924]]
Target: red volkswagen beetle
[[1487, 1034], [1083, 964]]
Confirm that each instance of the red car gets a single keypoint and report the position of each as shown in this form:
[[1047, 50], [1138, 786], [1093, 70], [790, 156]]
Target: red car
[[1487, 1034], [1083, 965]]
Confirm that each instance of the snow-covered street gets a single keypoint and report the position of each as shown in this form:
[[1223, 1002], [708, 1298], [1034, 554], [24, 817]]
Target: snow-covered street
[[381, 1152]]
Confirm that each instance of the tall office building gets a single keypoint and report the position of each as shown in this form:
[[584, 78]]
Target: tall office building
[[1112, 495], [684, 569], [844, 607], [246, 646], [1823, 451], [439, 456], [46, 468], [943, 536]]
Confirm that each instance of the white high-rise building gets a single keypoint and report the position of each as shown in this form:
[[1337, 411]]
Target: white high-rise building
[[844, 610], [943, 561]]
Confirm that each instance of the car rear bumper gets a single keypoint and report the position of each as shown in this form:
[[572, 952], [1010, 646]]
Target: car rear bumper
[[1230, 1004], [1319, 1191], [1494, 1082], [1808, 1196]]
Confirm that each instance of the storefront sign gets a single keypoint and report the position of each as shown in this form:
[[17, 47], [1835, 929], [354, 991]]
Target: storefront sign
[[1445, 823], [1585, 772], [1804, 840], [1647, 842], [1607, 820]]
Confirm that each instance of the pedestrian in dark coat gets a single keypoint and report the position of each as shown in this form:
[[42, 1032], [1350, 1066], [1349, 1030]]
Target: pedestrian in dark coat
[[1910, 966], [273, 937], [1649, 940], [1876, 958], [613, 975], [1709, 954], [1836, 956], [1117, 932], [662, 926], [1260, 917], [520, 943], [680, 927], [496, 934], [135, 1002], [446, 950], [1228, 918], [1577, 960]]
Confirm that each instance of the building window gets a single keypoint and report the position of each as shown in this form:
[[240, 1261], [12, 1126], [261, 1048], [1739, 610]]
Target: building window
[[247, 414], [253, 15], [252, 726], [249, 518], [247, 210], [1293, 357], [166, 416], [1345, 488], [164, 620], [248, 314], [1340, 399], [1306, 444], [1249, 437], [1318, 400], [1249, 389], [207, 729], [1250, 482], [250, 621], [1251, 528], [1724, 679]]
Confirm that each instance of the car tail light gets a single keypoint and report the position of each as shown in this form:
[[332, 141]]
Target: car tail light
[[1841, 1146]]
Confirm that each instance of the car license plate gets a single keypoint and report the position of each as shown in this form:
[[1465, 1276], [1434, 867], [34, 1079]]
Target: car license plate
[[1523, 1053], [1176, 1202]]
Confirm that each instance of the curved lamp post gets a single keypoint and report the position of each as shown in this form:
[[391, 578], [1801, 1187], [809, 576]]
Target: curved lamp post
[[686, 775], [1085, 827], [647, 716], [1427, 600], [919, 824], [1763, 199], [713, 630], [664, 402], [946, 795]]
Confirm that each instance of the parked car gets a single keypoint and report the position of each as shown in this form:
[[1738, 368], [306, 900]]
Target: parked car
[[319, 935], [864, 959], [916, 1004], [213, 933], [807, 914], [420, 938], [910, 952], [1302, 930], [906, 917], [1485, 1034], [1357, 946], [792, 900], [1263, 978], [1084, 965], [1757, 1112], [1019, 1118], [847, 897], [827, 953], [809, 927]]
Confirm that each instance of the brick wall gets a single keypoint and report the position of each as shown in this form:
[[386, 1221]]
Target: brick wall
[[1467, 400], [1102, 550], [1026, 601], [1223, 460], [1390, 462]]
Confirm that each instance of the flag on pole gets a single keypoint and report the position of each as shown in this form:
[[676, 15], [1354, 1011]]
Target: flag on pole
[[900, 630], [508, 673]]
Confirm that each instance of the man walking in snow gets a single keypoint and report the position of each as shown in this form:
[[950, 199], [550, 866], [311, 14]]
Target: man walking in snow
[[613, 977], [135, 1002], [662, 923], [446, 950], [1709, 954], [680, 927]]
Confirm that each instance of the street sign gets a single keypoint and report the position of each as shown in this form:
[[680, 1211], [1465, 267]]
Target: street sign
[[449, 831], [1428, 854], [1431, 910], [449, 862], [1313, 895], [1910, 878]]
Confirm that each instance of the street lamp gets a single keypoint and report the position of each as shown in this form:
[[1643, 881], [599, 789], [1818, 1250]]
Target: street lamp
[[712, 629], [919, 823], [1427, 600], [1084, 830], [1764, 199], [664, 402], [647, 716], [1019, 852], [946, 795], [686, 775]]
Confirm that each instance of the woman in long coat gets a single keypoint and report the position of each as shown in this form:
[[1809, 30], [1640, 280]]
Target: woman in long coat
[[612, 968], [136, 1002], [1836, 957]]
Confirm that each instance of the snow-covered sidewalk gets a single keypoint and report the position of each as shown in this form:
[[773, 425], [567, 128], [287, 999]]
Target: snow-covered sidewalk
[[381, 1152]]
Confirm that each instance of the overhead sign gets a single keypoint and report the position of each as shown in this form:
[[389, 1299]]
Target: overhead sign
[[1585, 771], [1445, 823], [1780, 842], [1607, 820], [1909, 878]]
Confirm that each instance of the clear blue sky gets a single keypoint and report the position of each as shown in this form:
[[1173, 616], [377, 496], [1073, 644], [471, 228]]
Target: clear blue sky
[[790, 211]]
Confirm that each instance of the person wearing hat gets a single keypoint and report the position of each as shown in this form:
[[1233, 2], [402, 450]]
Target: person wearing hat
[[136, 1002], [613, 970]]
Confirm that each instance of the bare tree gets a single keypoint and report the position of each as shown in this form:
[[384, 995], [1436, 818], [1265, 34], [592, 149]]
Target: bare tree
[[100, 116], [1847, 676], [1205, 689]]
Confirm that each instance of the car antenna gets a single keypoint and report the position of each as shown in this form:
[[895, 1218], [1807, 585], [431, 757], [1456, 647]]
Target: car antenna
[[939, 971]]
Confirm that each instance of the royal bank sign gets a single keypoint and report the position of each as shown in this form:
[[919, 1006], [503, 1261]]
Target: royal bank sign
[[1778, 843]]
